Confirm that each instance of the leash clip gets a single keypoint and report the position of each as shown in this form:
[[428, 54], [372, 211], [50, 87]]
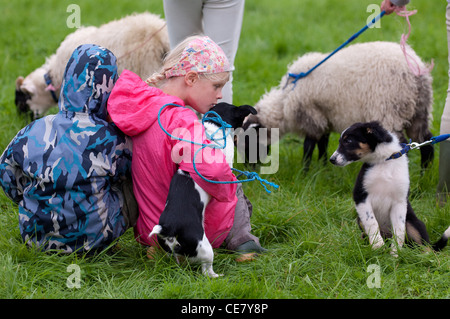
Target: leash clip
[[432, 141], [415, 145]]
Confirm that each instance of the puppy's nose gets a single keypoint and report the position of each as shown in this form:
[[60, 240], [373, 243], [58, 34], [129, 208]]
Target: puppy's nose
[[333, 159]]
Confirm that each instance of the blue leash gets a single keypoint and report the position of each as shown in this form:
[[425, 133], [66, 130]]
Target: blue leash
[[353, 37], [226, 129], [411, 146]]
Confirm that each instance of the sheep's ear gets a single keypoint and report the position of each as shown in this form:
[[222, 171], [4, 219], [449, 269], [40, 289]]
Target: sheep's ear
[[19, 82]]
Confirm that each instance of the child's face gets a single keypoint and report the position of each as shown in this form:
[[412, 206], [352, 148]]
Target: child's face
[[204, 94]]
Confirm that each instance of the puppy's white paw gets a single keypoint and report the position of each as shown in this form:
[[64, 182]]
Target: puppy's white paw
[[208, 271], [377, 243], [394, 251]]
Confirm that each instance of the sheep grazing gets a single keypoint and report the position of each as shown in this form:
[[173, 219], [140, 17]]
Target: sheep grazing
[[139, 42], [361, 83]]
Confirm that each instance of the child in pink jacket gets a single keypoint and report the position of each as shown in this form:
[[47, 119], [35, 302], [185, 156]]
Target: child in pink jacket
[[194, 74]]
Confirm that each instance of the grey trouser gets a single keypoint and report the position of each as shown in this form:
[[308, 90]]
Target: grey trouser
[[130, 209], [240, 232]]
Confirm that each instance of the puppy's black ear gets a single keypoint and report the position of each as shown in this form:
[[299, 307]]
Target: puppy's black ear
[[245, 110], [376, 133], [240, 113]]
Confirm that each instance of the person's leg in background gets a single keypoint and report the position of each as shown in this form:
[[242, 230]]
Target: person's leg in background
[[221, 20], [444, 150], [184, 18]]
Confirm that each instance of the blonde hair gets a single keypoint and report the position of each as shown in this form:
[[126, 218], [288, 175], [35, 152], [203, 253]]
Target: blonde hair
[[159, 79]]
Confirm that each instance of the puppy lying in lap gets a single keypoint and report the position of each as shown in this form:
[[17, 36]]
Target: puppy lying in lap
[[382, 187], [181, 225]]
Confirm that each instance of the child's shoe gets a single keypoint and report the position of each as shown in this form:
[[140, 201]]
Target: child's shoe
[[248, 251]]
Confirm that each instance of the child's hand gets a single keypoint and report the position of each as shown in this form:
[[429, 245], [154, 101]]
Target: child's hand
[[387, 6]]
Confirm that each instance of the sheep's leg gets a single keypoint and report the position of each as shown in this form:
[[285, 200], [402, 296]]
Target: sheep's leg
[[323, 146], [427, 155], [308, 148], [427, 151]]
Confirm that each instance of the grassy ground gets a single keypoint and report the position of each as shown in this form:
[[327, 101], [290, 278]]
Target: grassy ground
[[315, 249]]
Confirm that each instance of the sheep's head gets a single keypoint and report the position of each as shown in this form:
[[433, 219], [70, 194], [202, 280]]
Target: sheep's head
[[31, 95], [253, 142]]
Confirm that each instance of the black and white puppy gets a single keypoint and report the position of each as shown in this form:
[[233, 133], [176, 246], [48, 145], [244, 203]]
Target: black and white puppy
[[181, 224], [180, 229], [382, 187]]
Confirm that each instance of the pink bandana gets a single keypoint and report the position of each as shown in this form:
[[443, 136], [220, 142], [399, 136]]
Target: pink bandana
[[201, 55]]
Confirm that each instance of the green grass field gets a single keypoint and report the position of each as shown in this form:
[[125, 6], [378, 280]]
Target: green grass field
[[308, 225]]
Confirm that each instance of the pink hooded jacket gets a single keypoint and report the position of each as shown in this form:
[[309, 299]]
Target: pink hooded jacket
[[134, 107]]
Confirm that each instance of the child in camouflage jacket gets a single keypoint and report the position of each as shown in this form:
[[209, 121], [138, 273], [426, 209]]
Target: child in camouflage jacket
[[66, 171]]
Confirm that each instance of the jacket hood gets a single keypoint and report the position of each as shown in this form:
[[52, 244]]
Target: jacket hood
[[134, 105], [88, 80]]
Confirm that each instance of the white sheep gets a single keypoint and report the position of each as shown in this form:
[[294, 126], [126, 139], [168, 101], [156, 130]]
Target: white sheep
[[361, 83], [139, 42]]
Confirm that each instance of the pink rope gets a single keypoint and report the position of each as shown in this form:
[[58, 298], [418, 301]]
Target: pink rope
[[50, 87], [410, 60]]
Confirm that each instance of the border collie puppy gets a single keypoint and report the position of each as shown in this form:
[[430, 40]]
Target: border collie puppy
[[181, 224], [382, 187], [180, 228]]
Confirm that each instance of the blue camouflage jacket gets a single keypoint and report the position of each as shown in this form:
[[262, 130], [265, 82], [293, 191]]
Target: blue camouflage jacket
[[64, 170]]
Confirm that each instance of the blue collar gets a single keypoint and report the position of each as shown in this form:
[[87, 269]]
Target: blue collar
[[48, 81]]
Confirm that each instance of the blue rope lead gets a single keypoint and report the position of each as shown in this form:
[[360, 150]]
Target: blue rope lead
[[439, 138], [298, 76], [223, 126], [226, 129]]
